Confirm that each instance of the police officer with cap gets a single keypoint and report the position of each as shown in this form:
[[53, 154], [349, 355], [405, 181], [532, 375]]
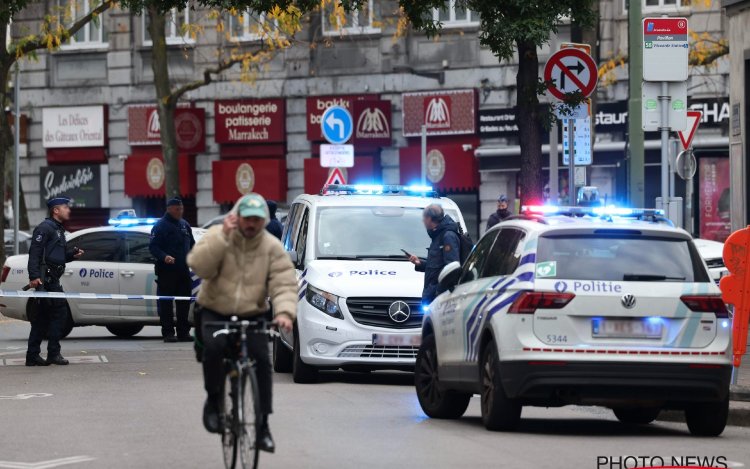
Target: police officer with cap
[[48, 254], [171, 240]]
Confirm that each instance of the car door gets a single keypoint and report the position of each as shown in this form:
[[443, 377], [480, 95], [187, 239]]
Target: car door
[[289, 238], [137, 276], [456, 308], [97, 271]]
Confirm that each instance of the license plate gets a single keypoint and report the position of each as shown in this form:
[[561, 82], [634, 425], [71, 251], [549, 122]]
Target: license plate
[[626, 329], [394, 340]]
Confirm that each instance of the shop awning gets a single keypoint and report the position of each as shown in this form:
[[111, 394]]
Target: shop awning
[[145, 174], [81, 155], [234, 178], [366, 170], [451, 167]]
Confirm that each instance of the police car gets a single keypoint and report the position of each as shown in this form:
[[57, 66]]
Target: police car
[[360, 298], [116, 260], [712, 252], [595, 306]]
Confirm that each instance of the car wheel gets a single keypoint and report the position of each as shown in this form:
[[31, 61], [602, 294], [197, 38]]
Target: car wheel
[[707, 418], [125, 330], [283, 358], [301, 371], [436, 401], [637, 415], [499, 412]]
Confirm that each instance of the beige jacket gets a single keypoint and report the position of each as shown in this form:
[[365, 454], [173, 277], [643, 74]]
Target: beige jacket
[[239, 274]]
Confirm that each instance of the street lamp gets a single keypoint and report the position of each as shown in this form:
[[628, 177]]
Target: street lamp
[[439, 76]]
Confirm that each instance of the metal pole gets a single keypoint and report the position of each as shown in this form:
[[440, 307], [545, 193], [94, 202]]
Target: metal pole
[[554, 172], [16, 156], [689, 205], [635, 99], [664, 129], [424, 155], [571, 162]]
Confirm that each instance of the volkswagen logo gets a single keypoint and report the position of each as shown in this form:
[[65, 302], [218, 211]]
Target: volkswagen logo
[[399, 311], [628, 300]]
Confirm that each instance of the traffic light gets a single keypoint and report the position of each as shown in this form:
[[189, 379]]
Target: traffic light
[[735, 288]]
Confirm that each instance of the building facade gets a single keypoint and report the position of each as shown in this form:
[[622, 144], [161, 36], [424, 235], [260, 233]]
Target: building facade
[[93, 133]]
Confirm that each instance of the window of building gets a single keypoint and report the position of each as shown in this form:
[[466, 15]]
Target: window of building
[[659, 5], [455, 16], [176, 27], [92, 35], [360, 21], [248, 26]]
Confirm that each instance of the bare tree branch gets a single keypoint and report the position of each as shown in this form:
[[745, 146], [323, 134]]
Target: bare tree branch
[[207, 78]]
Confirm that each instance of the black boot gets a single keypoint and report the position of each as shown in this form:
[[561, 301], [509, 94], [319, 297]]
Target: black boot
[[265, 440], [35, 360], [211, 419], [57, 360]]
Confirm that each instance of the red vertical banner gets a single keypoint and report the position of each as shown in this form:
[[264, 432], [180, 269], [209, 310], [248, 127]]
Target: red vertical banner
[[713, 198]]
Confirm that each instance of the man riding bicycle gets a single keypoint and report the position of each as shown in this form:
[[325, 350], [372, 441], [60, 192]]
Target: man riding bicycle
[[241, 265]]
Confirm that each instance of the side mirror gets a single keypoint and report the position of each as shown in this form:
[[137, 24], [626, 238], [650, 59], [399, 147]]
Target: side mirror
[[293, 256], [448, 278]]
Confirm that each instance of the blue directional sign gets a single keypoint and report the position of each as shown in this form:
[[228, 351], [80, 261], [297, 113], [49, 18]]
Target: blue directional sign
[[337, 125]]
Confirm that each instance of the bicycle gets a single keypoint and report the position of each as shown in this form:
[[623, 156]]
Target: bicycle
[[240, 407]]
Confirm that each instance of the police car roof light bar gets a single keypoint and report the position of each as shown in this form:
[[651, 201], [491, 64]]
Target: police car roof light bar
[[598, 211], [128, 217], [378, 189]]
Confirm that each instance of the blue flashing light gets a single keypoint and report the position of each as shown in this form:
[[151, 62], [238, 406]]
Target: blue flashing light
[[377, 189], [418, 188], [654, 319], [368, 188], [598, 211], [725, 324], [126, 221]]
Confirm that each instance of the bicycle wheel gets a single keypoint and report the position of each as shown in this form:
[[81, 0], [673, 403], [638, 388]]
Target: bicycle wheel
[[249, 419], [228, 419]]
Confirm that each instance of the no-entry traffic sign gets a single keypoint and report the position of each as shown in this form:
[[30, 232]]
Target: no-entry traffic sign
[[568, 71]]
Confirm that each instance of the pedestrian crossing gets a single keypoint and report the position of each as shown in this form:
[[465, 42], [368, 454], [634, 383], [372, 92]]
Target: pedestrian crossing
[[77, 360]]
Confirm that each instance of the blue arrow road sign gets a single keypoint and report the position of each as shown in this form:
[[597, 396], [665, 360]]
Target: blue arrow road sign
[[337, 125]]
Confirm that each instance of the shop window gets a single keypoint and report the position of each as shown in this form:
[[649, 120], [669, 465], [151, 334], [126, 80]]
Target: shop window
[[178, 21], [659, 5], [455, 16], [92, 35], [359, 21], [249, 26]]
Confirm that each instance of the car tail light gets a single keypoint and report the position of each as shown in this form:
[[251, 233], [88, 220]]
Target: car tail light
[[530, 301], [6, 271], [706, 304]]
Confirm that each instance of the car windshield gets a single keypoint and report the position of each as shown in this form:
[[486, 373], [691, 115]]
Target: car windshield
[[619, 258], [371, 232]]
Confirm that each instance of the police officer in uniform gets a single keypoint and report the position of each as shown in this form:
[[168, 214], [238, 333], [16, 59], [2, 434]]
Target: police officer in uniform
[[171, 240], [47, 257]]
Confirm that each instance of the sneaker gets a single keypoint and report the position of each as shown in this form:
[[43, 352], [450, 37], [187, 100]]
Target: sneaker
[[36, 360], [211, 416], [57, 360]]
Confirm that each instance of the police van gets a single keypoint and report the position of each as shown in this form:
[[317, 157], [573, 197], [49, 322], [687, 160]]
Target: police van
[[359, 296], [591, 306], [116, 260]]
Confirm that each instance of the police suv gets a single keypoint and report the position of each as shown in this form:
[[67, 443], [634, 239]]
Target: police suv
[[594, 306], [359, 297], [116, 260]]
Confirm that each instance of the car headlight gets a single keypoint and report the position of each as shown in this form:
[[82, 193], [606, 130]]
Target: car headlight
[[324, 301]]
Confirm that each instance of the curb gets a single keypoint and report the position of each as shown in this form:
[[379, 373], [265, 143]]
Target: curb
[[739, 393], [737, 417]]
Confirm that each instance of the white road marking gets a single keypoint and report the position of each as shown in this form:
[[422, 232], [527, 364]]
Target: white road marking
[[15, 352], [23, 397], [79, 360], [45, 464]]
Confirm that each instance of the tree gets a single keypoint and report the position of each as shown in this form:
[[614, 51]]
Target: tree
[[508, 27], [51, 34]]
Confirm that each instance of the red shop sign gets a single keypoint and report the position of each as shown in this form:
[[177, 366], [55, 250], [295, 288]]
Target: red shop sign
[[234, 178], [443, 112], [372, 123], [316, 106], [250, 120], [190, 123]]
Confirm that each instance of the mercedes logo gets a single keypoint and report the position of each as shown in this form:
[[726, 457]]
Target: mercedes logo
[[628, 300], [399, 311]]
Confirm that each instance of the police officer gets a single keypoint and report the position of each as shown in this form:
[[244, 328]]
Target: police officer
[[48, 254], [171, 240], [444, 249], [501, 214], [274, 225]]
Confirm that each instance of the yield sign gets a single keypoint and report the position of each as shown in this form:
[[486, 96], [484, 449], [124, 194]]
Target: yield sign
[[570, 70], [686, 136], [336, 176]]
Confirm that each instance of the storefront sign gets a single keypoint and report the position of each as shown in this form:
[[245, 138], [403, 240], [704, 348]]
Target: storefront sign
[[316, 106], [372, 121], [501, 123], [250, 121], [450, 167], [714, 198], [443, 112], [86, 185], [71, 127], [144, 128], [145, 174], [234, 178]]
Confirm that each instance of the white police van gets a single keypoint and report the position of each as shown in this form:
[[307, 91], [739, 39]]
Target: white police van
[[360, 298], [116, 260], [594, 306]]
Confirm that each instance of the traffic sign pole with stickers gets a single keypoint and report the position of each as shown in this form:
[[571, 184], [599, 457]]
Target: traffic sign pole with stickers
[[572, 70], [337, 127]]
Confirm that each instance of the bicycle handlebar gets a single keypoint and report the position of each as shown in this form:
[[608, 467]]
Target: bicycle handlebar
[[235, 325]]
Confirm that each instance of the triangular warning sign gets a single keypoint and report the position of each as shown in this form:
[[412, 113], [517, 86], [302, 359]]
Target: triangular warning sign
[[686, 136], [336, 176]]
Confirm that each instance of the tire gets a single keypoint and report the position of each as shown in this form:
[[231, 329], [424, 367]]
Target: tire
[[228, 437], [707, 418], [637, 415], [499, 412], [301, 371], [249, 417], [283, 358], [436, 402], [125, 331]]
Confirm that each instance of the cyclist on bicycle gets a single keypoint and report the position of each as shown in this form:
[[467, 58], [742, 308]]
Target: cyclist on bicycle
[[241, 265]]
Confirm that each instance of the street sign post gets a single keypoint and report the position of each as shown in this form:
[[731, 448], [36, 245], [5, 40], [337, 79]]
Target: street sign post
[[678, 109], [337, 125], [336, 156], [693, 120], [581, 141], [336, 176]]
